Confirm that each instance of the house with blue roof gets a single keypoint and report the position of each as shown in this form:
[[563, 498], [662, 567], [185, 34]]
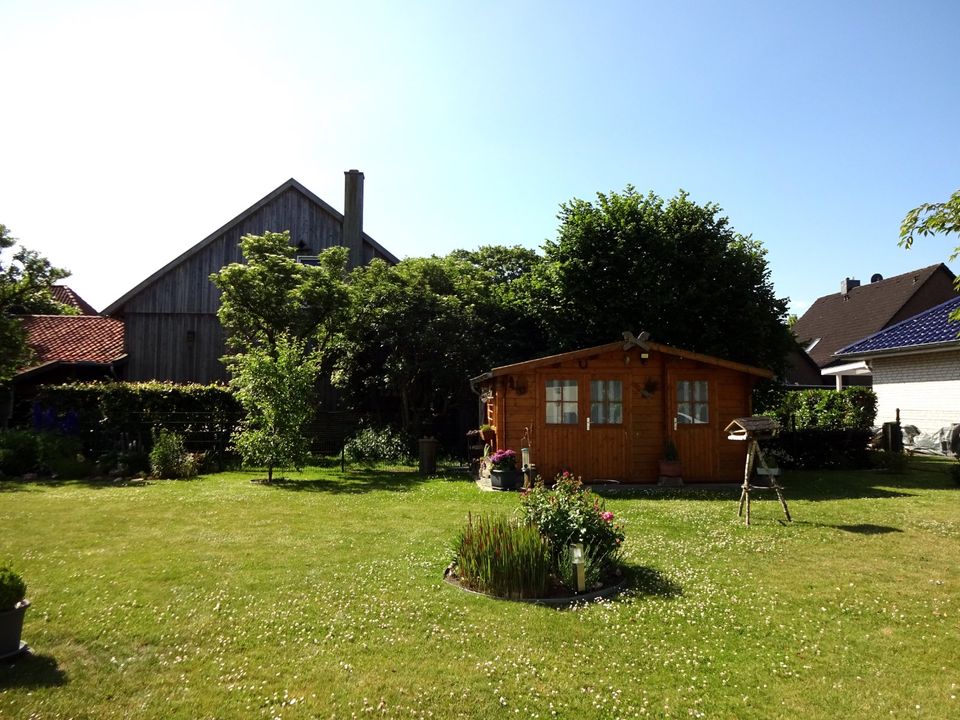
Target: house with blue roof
[[915, 366]]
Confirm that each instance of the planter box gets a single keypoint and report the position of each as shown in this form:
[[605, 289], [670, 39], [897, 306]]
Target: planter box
[[505, 479], [11, 628]]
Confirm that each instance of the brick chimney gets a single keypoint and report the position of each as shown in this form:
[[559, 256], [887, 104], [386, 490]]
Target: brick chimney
[[847, 285], [353, 216]]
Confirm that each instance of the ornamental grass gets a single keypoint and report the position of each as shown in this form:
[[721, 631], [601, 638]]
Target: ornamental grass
[[501, 557]]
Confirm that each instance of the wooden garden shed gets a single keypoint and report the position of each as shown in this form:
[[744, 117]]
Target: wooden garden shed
[[605, 412]]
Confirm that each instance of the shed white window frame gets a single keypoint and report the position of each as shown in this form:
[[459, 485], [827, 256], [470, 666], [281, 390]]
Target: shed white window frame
[[562, 402]]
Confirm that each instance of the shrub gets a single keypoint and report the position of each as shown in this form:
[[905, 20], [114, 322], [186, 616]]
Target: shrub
[[955, 472], [851, 407], [19, 452], [169, 458], [372, 445], [12, 588], [569, 514], [62, 455], [503, 558]]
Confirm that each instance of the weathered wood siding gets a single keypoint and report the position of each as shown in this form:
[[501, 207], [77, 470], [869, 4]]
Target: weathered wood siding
[[182, 303], [629, 452]]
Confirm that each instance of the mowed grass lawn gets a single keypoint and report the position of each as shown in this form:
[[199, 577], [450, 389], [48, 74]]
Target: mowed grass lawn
[[322, 597]]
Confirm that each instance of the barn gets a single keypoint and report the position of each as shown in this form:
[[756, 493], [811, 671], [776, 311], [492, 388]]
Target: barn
[[606, 412], [171, 330]]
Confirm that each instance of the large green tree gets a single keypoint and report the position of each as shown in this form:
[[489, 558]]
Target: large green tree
[[674, 268], [940, 218], [25, 281], [415, 334]]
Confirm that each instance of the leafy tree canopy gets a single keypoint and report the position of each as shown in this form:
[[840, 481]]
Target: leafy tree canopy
[[940, 218], [271, 294], [673, 268], [414, 336], [25, 281]]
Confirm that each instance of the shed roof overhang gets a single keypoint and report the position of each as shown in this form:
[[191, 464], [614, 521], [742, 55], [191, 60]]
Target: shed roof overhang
[[623, 347]]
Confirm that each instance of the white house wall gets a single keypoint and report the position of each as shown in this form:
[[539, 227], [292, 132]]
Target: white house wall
[[925, 387]]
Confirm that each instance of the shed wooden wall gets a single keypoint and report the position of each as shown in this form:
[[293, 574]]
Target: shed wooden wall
[[519, 407], [160, 317]]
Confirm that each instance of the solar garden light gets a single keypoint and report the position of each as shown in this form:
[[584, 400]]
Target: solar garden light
[[576, 559]]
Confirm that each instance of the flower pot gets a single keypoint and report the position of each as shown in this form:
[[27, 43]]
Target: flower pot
[[11, 627], [505, 479]]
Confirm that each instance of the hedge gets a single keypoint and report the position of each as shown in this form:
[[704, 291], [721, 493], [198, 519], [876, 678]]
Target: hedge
[[116, 416], [851, 407]]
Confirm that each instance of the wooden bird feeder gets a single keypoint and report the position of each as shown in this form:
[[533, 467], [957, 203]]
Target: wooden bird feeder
[[751, 430]]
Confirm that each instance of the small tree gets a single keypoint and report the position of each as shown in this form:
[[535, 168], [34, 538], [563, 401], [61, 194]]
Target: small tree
[[25, 282], [276, 392]]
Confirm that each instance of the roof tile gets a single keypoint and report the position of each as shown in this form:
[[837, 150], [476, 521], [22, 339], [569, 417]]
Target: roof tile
[[74, 338]]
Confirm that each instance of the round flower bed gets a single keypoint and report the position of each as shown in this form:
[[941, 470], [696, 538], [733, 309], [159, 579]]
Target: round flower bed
[[563, 545]]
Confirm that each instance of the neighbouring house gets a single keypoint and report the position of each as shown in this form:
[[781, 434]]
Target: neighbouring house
[[915, 366], [170, 319], [66, 348], [835, 321], [67, 296], [605, 412]]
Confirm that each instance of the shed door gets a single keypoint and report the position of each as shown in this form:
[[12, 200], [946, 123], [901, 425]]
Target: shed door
[[692, 423], [606, 443]]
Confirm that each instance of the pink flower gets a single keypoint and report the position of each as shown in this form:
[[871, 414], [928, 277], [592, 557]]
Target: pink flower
[[607, 516]]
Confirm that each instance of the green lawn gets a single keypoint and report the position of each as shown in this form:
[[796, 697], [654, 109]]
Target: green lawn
[[322, 597]]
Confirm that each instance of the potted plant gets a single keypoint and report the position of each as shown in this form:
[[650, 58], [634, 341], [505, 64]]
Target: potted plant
[[13, 606], [671, 468], [488, 434], [503, 470]]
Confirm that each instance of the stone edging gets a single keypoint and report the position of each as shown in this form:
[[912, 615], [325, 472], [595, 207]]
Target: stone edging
[[557, 602]]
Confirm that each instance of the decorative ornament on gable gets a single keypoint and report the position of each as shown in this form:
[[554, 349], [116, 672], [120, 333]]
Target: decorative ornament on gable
[[631, 341]]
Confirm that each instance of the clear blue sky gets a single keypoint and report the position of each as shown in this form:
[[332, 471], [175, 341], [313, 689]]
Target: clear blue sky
[[130, 131]]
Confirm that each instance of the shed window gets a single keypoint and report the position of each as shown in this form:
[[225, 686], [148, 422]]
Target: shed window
[[606, 402], [693, 402], [562, 402]]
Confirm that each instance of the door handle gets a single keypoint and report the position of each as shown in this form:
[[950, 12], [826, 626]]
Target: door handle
[[588, 424], [674, 422]]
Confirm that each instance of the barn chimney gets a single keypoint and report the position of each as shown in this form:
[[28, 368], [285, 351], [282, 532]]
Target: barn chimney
[[847, 285], [353, 216]]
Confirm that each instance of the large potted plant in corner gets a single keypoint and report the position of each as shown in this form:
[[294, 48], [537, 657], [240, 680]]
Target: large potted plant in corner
[[503, 470], [671, 469], [13, 606]]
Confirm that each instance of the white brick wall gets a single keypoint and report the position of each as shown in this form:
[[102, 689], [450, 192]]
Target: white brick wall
[[925, 387]]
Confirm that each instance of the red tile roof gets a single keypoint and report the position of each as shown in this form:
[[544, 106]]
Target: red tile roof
[[67, 296], [839, 320], [74, 338]]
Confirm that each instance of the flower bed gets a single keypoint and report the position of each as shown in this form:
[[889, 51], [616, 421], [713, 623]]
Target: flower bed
[[533, 556]]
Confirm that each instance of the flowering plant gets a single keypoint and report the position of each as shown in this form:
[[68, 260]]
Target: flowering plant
[[568, 513], [504, 460]]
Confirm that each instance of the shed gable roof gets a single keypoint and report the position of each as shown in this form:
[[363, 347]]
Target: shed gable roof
[[839, 320], [73, 339], [118, 304], [619, 347], [930, 328]]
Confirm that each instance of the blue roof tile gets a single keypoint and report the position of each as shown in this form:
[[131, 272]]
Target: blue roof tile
[[930, 327]]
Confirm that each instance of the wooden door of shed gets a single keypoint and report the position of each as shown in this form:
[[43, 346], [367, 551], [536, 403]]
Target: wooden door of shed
[[607, 412], [692, 422]]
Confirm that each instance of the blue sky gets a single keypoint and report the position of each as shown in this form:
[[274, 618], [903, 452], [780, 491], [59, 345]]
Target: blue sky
[[132, 130]]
